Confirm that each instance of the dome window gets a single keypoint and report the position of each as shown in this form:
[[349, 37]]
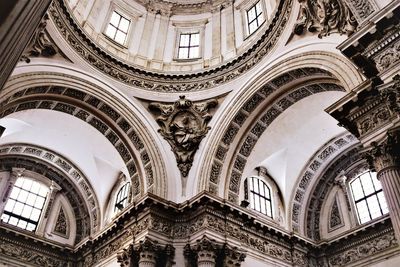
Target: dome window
[[118, 27], [122, 198], [189, 45], [255, 17]]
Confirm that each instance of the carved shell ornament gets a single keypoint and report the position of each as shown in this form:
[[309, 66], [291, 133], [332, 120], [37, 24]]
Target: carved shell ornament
[[325, 17], [183, 124]]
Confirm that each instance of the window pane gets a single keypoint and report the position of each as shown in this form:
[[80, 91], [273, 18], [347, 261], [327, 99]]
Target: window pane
[[269, 210], [251, 14], [30, 227], [376, 182], [367, 184], [357, 190], [184, 42], [252, 27], [22, 196], [382, 201], [18, 208], [194, 52], [263, 207], [124, 25], [35, 215], [111, 31], [115, 17], [43, 191], [363, 211], [183, 52], [26, 212], [10, 205], [13, 221], [19, 182], [258, 8], [31, 199], [39, 202], [257, 203], [22, 224], [120, 37], [195, 39], [14, 193], [5, 218], [27, 184]]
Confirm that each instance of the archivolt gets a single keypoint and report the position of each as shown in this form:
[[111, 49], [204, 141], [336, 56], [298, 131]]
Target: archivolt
[[75, 186], [99, 109], [255, 115], [319, 172]]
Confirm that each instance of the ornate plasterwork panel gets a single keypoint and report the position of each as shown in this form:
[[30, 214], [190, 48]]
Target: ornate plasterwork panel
[[61, 226], [184, 124], [361, 9], [325, 17], [162, 82], [335, 216]]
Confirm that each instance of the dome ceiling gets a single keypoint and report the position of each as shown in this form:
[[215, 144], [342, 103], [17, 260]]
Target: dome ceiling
[[167, 73]]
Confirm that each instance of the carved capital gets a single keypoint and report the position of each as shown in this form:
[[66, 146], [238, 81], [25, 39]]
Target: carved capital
[[387, 153], [391, 95], [183, 124], [203, 253], [125, 257], [40, 44], [325, 17], [233, 257]]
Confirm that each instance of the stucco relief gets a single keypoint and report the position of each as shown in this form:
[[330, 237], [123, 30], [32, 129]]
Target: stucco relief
[[184, 124], [325, 17]]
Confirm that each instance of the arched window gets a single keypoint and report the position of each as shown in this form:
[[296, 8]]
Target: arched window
[[122, 197], [25, 204], [368, 197], [259, 195]]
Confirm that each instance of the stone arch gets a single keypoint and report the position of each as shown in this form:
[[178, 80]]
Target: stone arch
[[74, 184], [306, 68], [102, 110], [265, 105]]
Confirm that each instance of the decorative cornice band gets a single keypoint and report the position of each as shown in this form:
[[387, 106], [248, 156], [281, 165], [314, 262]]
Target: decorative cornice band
[[162, 82]]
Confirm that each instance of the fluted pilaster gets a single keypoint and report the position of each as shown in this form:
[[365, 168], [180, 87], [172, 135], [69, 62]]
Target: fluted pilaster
[[385, 158]]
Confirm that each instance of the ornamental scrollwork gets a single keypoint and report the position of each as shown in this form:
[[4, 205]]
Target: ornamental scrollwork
[[184, 124], [40, 44], [325, 17]]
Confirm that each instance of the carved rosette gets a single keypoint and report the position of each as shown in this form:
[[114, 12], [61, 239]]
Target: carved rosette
[[184, 124], [386, 154], [40, 44], [324, 17]]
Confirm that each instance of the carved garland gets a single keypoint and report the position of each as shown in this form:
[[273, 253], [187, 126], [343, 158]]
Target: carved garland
[[92, 110], [152, 81]]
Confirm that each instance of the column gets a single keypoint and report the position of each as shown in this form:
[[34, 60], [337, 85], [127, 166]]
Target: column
[[162, 36], [145, 38], [14, 175], [125, 257], [18, 20], [385, 157], [233, 257], [206, 252], [147, 252], [54, 188]]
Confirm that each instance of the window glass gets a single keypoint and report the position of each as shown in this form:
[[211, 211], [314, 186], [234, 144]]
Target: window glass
[[189, 45], [260, 196], [255, 17], [121, 200], [118, 27], [25, 204], [368, 197]]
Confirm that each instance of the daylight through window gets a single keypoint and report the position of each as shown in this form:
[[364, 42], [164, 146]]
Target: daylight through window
[[117, 29], [368, 197], [122, 198], [189, 45], [25, 204], [255, 17], [260, 196]]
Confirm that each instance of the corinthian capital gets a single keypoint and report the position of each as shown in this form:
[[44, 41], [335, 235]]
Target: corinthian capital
[[387, 153]]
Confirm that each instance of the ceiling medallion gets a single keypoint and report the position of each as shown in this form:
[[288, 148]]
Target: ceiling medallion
[[183, 124]]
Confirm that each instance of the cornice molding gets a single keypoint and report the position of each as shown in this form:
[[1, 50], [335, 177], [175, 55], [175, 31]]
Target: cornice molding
[[164, 82]]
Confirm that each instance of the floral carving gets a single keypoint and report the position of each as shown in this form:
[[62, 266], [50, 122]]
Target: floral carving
[[40, 45], [61, 226], [325, 17], [184, 124], [335, 217]]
